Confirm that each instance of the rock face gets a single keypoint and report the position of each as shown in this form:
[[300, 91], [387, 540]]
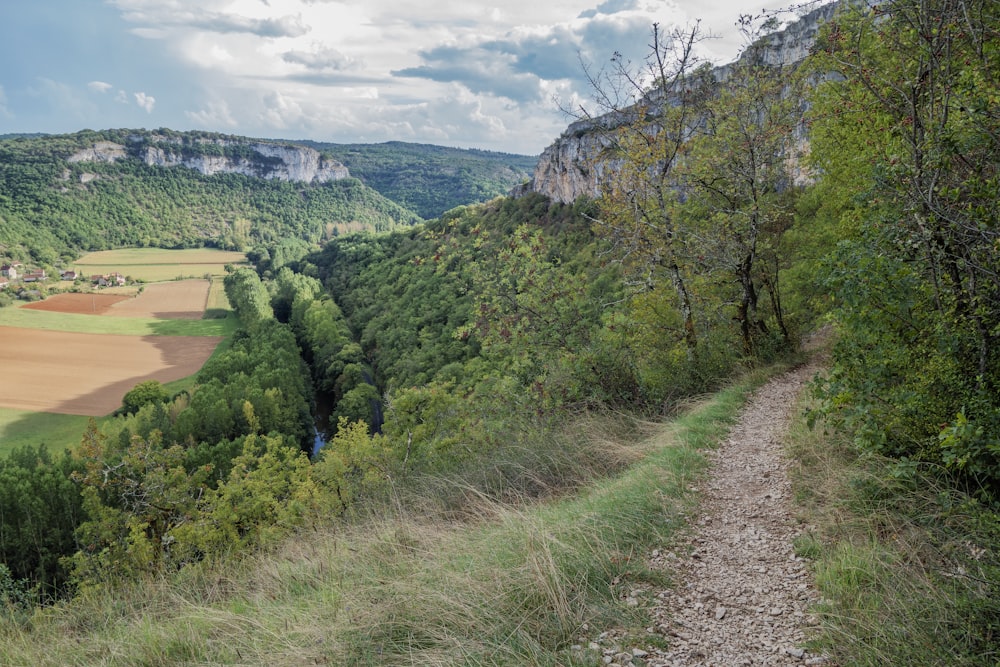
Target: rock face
[[575, 164], [101, 151], [272, 161]]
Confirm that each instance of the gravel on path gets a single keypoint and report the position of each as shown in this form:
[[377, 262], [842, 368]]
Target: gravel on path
[[741, 596]]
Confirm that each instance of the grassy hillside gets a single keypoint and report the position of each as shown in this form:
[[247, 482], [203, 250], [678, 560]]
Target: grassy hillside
[[484, 567], [432, 179]]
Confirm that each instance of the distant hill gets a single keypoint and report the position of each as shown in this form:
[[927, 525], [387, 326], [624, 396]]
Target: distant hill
[[431, 179], [64, 194]]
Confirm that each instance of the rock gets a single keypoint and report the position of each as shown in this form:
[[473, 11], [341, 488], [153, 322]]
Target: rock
[[577, 163], [720, 613], [796, 653], [639, 653]]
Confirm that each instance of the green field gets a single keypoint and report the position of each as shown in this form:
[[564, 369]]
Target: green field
[[154, 264], [130, 326], [57, 432], [218, 303]]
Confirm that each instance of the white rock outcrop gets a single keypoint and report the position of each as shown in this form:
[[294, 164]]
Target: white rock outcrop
[[101, 151], [282, 162], [578, 162]]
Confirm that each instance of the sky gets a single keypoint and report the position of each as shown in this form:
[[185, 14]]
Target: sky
[[490, 75]]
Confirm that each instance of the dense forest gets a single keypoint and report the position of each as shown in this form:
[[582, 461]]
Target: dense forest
[[439, 343], [51, 208], [431, 179]]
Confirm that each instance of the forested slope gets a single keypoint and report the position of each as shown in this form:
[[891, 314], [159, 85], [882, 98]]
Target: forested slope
[[460, 349], [52, 207], [432, 179]]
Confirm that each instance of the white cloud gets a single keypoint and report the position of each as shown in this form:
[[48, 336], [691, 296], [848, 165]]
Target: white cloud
[[161, 14], [216, 114], [323, 58], [145, 101], [451, 71], [280, 112], [99, 86]]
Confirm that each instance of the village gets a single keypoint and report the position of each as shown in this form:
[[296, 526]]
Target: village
[[16, 277]]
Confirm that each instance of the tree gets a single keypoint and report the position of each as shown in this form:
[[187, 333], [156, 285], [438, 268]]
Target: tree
[[649, 112], [909, 127], [144, 393], [248, 296], [737, 177]]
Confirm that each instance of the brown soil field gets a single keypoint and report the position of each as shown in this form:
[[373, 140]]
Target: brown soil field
[[177, 300], [83, 304], [87, 374]]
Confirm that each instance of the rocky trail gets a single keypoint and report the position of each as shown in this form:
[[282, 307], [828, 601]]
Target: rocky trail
[[742, 596]]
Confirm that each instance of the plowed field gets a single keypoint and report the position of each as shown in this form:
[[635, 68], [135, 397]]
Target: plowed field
[[178, 300], [82, 304], [87, 374]]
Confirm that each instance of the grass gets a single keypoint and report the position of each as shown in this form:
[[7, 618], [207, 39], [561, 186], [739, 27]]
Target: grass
[[907, 565], [217, 306], [474, 574], [155, 264], [131, 326], [57, 432]]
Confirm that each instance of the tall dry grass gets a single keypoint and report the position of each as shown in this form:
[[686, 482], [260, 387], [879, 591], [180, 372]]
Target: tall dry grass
[[512, 561], [908, 566]]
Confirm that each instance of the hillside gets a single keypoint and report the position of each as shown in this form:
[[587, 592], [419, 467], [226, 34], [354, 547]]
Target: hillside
[[432, 179], [60, 195], [519, 391]]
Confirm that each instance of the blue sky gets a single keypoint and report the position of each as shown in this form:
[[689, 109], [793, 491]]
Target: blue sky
[[448, 72]]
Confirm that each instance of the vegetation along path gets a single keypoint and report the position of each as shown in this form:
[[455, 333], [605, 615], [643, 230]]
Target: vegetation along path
[[742, 596]]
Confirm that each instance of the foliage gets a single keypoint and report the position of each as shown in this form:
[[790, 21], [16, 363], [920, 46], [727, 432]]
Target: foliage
[[906, 564], [40, 508], [248, 297], [909, 129], [432, 179], [52, 209], [150, 391], [135, 497], [737, 177]]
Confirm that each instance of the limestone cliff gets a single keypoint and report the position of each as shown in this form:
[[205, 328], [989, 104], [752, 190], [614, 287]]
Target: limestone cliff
[[260, 159], [576, 164]]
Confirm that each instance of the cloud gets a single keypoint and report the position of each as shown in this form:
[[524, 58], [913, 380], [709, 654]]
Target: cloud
[[216, 114], [99, 86], [145, 101], [285, 26], [155, 18], [610, 7], [479, 75], [323, 59], [517, 64]]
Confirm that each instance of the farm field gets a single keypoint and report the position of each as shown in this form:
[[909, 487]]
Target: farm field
[[76, 354], [183, 299], [20, 428], [87, 374], [154, 264], [26, 318]]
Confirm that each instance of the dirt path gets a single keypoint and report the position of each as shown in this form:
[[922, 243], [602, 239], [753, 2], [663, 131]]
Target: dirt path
[[742, 597]]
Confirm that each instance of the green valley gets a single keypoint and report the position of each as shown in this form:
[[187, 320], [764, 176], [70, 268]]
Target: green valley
[[432, 424]]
